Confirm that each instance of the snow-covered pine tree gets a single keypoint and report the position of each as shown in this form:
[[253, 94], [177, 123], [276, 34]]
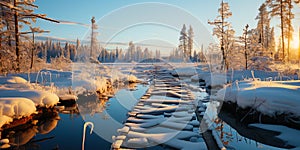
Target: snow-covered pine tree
[[131, 51], [232, 54], [263, 26], [272, 43], [183, 39], [282, 9], [195, 56], [6, 38], [221, 24], [138, 53], [23, 14], [190, 42], [67, 52], [146, 53]]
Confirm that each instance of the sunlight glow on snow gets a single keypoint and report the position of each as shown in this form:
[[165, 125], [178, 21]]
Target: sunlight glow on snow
[[260, 84]]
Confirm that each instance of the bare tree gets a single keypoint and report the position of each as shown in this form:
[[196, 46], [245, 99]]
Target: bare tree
[[94, 41]]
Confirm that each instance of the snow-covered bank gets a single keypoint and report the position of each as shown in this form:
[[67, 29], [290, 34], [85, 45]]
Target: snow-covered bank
[[268, 97], [218, 79], [18, 99], [47, 87]]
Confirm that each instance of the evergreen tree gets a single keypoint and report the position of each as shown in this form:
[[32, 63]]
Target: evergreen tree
[[272, 43], [283, 9], [263, 26], [23, 14], [183, 41], [221, 24], [190, 42], [195, 57]]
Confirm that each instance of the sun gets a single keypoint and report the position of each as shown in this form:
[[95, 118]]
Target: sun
[[295, 43]]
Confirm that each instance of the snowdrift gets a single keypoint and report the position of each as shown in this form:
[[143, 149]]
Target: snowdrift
[[268, 97], [18, 99]]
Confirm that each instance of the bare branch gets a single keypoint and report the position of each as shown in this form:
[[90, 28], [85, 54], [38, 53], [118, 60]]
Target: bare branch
[[41, 17]]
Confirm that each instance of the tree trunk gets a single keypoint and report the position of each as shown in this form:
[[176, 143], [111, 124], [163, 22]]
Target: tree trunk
[[289, 28], [282, 30], [246, 54], [17, 37], [32, 51], [299, 47], [224, 62]]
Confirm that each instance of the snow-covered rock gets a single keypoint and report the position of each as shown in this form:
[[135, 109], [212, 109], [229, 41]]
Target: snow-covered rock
[[132, 78], [65, 97], [5, 120], [4, 141], [16, 107]]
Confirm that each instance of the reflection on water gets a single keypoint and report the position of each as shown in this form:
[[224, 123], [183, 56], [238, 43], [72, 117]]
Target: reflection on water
[[64, 129], [247, 133], [237, 135], [25, 138]]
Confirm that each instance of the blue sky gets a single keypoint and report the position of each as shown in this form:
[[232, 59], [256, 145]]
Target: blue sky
[[126, 20]]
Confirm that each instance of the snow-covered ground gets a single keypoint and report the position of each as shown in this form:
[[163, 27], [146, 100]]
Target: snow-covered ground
[[266, 93], [218, 78], [19, 98], [267, 97], [20, 94]]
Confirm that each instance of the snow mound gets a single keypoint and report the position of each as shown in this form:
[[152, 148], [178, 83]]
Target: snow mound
[[40, 98], [261, 63], [184, 71], [267, 97], [16, 107], [132, 78], [66, 97], [5, 120], [12, 79], [213, 79]]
